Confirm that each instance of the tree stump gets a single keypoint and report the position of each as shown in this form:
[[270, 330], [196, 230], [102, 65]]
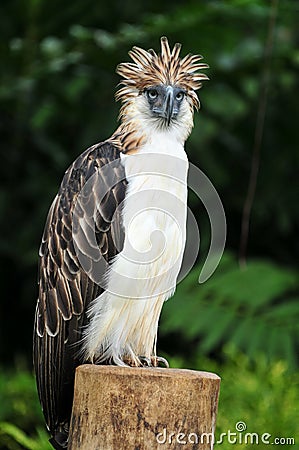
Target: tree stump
[[123, 408]]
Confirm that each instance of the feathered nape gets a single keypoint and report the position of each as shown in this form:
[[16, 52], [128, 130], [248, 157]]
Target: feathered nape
[[149, 69]]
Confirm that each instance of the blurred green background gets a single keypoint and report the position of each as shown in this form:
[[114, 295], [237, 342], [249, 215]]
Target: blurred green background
[[58, 79]]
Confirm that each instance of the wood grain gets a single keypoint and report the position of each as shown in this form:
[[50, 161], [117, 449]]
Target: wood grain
[[143, 408]]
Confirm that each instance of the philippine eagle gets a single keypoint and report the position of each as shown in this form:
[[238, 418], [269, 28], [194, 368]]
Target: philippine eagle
[[114, 238]]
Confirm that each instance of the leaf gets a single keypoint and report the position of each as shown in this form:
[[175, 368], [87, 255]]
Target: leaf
[[18, 435], [217, 332]]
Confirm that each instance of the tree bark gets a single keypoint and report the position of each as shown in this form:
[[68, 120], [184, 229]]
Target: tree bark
[[143, 409]]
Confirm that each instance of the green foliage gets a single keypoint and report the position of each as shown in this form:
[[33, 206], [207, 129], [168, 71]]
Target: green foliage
[[256, 309], [13, 438], [17, 399], [21, 420]]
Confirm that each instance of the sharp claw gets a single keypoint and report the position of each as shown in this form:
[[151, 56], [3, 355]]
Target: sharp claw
[[144, 361], [159, 360]]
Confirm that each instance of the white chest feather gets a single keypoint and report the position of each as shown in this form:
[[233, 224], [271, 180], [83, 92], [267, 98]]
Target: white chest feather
[[124, 319]]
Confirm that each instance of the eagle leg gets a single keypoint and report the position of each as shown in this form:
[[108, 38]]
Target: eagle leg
[[133, 361], [154, 361], [143, 361]]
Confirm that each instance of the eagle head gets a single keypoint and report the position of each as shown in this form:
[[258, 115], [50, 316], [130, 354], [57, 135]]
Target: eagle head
[[160, 89]]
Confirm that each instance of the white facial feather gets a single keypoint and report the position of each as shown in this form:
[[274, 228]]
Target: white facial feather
[[138, 113]]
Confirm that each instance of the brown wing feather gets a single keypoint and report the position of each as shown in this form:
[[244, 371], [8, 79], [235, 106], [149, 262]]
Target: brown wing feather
[[65, 289]]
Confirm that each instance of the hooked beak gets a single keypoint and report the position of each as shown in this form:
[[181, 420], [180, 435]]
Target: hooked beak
[[168, 104]]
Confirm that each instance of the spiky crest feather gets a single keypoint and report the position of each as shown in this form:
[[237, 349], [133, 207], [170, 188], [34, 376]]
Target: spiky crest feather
[[149, 69]]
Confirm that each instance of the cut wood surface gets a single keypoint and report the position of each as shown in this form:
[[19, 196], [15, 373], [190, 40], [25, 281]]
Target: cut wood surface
[[143, 408]]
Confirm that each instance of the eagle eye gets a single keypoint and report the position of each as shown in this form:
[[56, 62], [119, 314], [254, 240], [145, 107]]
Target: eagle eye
[[179, 96], [152, 94]]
